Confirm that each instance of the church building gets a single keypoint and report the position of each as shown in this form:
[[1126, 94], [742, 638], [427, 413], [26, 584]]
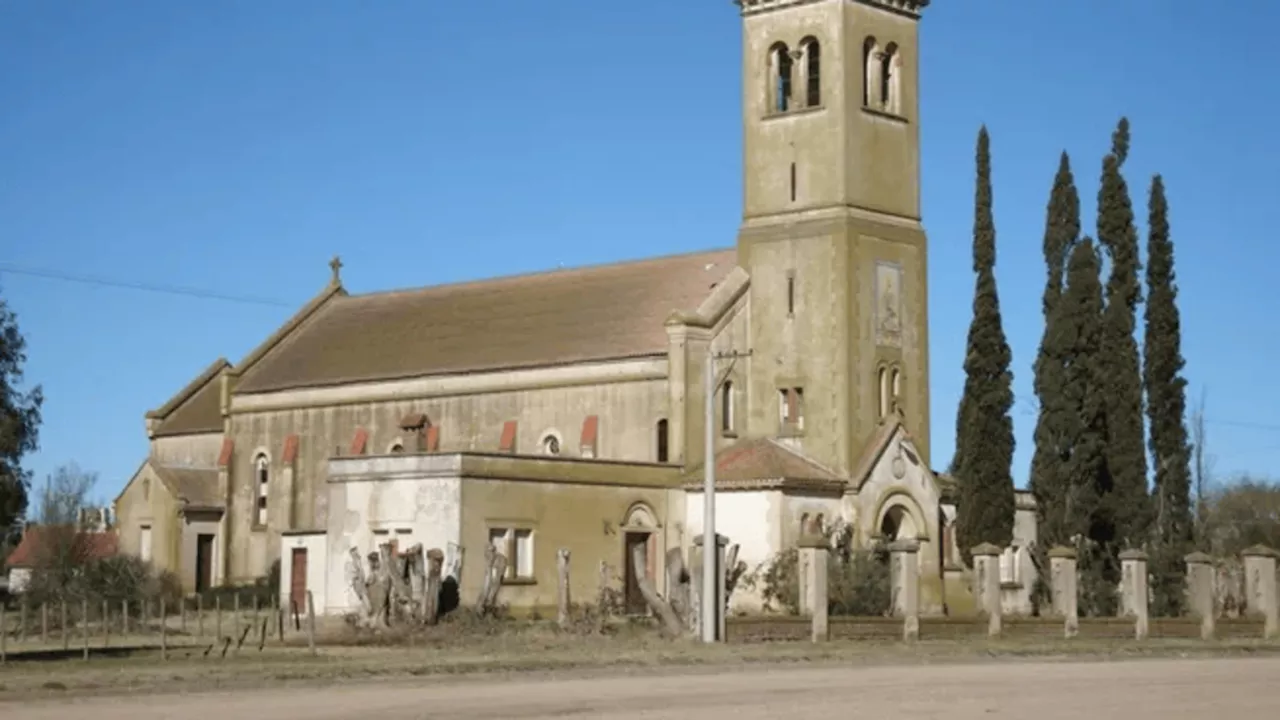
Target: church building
[[567, 409]]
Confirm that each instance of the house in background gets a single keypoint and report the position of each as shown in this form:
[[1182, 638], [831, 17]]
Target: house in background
[[90, 543]]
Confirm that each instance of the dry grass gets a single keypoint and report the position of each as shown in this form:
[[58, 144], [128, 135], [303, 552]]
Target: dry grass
[[473, 647]]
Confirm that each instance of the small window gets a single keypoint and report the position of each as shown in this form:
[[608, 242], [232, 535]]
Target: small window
[[381, 533], [812, 72], [397, 447], [793, 182], [262, 469], [870, 70], [895, 389], [791, 293], [402, 532], [882, 385], [551, 445], [791, 409], [516, 545], [144, 543], [726, 407], [662, 440]]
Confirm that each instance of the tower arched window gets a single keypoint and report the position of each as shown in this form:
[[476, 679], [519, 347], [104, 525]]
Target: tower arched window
[[895, 389], [662, 440], [812, 72], [780, 64], [262, 474], [890, 63], [882, 386], [870, 71]]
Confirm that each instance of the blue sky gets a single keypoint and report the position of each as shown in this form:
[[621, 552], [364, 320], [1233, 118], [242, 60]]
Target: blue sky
[[234, 147]]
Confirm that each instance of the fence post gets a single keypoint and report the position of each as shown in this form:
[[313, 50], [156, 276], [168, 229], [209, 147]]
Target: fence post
[[4, 636], [106, 623], [22, 631], [562, 597], [44, 623], [66, 636], [311, 623], [84, 625], [182, 615], [986, 564], [235, 616], [1064, 582], [906, 559], [199, 616], [164, 632], [1260, 587], [813, 549], [217, 616], [1200, 574], [124, 618], [1133, 588]]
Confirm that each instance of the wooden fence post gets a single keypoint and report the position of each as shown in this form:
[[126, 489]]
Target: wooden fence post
[[164, 634], [106, 623], [66, 636], [124, 618], [22, 631], [235, 615], [563, 600], [44, 623], [199, 616], [311, 623], [4, 636], [84, 625], [217, 616]]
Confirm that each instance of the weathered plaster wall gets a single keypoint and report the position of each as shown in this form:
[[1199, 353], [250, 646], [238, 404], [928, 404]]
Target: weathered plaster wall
[[418, 493], [187, 450], [628, 397], [147, 501], [191, 526], [315, 545], [585, 519]]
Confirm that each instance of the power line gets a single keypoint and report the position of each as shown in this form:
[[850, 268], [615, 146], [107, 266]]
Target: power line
[[145, 287]]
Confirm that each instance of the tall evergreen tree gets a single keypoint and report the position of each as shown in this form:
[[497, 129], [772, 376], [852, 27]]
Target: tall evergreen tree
[[1127, 504], [1166, 409], [1062, 230], [19, 424], [1085, 479], [984, 439]]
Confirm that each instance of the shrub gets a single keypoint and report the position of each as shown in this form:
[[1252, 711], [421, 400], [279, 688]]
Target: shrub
[[858, 581]]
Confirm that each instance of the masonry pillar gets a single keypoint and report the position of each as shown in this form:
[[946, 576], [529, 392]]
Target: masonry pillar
[[716, 566], [1200, 576], [905, 556], [986, 568], [1133, 590], [813, 558], [1065, 581], [1260, 586]]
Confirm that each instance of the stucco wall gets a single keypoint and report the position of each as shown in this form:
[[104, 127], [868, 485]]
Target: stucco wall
[[318, 565], [187, 450], [147, 501], [418, 493], [629, 398], [192, 525], [585, 519]]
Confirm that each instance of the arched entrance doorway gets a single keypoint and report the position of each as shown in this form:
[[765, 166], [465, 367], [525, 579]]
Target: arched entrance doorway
[[639, 530]]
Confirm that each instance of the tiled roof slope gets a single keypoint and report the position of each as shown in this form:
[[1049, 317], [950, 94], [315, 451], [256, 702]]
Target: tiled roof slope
[[575, 315]]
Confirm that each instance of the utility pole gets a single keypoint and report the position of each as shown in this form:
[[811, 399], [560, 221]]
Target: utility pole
[[712, 601]]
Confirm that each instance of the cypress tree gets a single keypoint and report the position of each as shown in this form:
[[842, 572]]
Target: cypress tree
[[1085, 479], [1127, 503], [1166, 408], [1062, 230], [984, 439]]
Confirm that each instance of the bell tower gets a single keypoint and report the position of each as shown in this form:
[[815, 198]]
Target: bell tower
[[831, 232]]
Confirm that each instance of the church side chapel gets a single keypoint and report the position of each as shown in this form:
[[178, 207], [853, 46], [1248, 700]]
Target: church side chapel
[[567, 409]]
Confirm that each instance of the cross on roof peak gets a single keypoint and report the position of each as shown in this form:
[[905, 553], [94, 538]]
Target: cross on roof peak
[[336, 266]]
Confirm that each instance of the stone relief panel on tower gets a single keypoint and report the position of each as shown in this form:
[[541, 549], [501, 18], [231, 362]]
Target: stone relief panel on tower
[[888, 285]]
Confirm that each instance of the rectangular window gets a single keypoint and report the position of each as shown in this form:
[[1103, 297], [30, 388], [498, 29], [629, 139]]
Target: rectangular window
[[791, 293], [791, 409], [516, 545], [1009, 565], [726, 408], [144, 543]]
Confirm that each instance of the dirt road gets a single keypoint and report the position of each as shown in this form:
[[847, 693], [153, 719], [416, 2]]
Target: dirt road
[[1164, 689]]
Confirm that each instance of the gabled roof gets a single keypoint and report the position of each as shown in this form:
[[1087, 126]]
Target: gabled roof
[[577, 315], [196, 408], [87, 546], [196, 487], [762, 462]]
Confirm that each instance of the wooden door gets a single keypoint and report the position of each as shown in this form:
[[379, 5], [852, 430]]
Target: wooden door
[[298, 580], [204, 562], [633, 598]]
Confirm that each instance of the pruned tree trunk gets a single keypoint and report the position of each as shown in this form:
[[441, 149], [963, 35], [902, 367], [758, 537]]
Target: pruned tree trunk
[[495, 570], [734, 570], [415, 571], [562, 606], [359, 584], [431, 601], [672, 623], [379, 588], [453, 562]]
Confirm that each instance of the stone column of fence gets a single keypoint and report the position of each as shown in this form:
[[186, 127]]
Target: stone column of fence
[[906, 561], [986, 568], [718, 568], [813, 559], [1260, 586], [1065, 581], [1200, 576], [1133, 590]]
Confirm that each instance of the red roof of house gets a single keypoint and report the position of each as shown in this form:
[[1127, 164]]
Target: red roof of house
[[89, 545]]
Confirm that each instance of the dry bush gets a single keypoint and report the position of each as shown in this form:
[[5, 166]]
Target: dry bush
[[858, 582]]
